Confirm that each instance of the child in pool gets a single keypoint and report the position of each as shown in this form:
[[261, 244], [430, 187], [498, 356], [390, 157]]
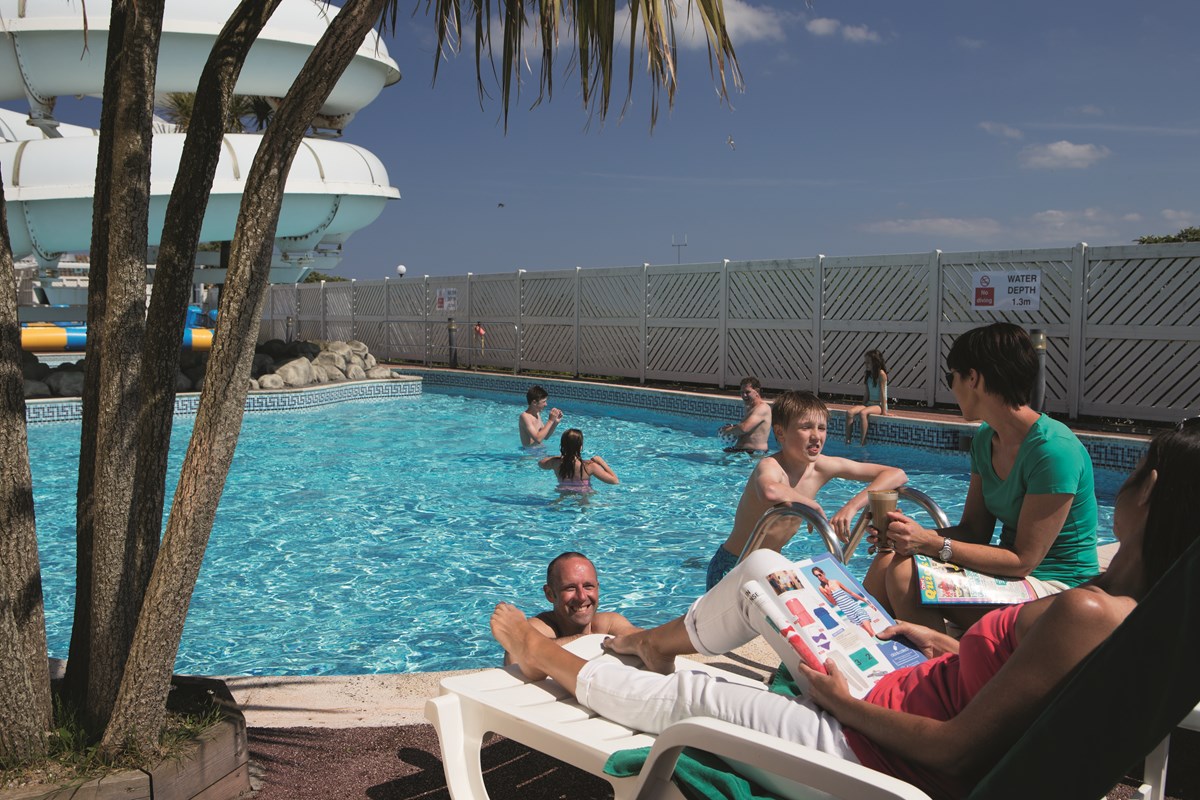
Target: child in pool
[[574, 472]]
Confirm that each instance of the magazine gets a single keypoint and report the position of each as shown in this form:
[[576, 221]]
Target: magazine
[[947, 584], [824, 613]]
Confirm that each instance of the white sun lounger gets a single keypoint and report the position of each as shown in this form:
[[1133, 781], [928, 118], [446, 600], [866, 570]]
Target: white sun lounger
[[543, 716]]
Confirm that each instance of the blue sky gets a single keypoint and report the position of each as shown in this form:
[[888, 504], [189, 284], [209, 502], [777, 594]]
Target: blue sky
[[868, 126]]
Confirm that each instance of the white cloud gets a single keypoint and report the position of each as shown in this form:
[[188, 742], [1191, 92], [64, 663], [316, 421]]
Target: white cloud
[[1089, 111], [822, 26], [967, 43], [982, 227], [1062, 155], [859, 34], [746, 24], [1183, 219], [1000, 129], [1063, 227], [1132, 217]]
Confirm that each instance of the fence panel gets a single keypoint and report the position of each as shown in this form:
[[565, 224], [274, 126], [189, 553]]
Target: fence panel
[[612, 304], [876, 303], [548, 321], [370, 315], [339, 311], [769, 322], [495, 303], [447, 334], [1053, 316], [683, 323], [310, 324], [1141, 337]]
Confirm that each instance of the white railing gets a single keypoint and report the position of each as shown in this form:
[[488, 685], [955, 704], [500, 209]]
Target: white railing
[[1123, 322]]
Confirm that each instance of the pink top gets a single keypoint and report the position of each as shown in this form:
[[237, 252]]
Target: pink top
[[939, 689]]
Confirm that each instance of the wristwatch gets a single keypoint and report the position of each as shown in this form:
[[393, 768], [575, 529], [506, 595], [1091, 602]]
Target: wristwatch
[[945, 554]]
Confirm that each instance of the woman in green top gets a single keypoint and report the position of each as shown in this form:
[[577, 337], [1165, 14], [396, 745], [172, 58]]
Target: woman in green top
[[1027, 470]]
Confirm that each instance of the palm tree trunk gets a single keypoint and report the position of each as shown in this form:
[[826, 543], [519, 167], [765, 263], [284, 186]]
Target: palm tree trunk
[[141, 704], [24, 680]]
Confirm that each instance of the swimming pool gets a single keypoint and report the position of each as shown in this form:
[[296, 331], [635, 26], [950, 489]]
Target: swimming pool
[[377, 537]]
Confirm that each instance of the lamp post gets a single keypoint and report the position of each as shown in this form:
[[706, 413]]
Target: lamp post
[[1038, 337]]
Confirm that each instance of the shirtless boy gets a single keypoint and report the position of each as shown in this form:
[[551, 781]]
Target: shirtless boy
[[754, 429], [573, 591], [533, 431], [795, 474]]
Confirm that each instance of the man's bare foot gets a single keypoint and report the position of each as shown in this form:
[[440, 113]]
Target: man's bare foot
[[641, 644], [513, 631]]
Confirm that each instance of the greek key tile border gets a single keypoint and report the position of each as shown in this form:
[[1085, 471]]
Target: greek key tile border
[[38, 412], [1107, 452]]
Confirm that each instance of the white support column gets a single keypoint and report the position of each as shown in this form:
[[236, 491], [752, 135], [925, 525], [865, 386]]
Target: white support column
[[425, 315], [724, 346], [353, 307], [645, 302], [818, 314], [1079, 270], [324, 332], [387, 319], [933, 335], [520, 315], [578, 270]]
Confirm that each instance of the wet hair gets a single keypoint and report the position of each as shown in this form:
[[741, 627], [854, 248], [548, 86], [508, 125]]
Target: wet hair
[[571, 448], [877, 365], [796, 405], [752, 382], [1003, 354], [535, 393], [558, 559], [1170, 519]]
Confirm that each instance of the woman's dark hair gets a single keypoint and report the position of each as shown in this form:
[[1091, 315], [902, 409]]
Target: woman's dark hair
[[570, 445], [1170, 521], [1003, 354], [877, 365]]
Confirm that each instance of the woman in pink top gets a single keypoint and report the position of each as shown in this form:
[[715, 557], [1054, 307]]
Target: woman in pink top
[[575, 472], [940, 725]]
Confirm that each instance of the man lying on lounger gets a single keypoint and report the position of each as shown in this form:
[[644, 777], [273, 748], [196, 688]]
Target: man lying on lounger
[[574, 594]]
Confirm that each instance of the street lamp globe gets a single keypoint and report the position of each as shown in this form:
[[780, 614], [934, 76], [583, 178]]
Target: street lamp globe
[[400, 270]]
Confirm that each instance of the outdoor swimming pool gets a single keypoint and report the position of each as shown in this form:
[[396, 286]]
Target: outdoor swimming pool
[[377, 536]]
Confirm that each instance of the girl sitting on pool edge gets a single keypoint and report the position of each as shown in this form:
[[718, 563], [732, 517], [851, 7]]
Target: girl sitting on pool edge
[[574, 472]]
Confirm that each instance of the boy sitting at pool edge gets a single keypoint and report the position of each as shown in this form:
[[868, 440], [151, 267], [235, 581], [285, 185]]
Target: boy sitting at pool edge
[[795, 474]]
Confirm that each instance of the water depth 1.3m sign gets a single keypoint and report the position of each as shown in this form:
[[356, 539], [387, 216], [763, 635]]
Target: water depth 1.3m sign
[[1006, 291]]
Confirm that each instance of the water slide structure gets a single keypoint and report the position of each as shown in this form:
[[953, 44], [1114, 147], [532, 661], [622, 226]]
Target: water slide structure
[[334, 189]]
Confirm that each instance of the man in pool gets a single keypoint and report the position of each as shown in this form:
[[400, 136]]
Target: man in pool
[[574, 594], [533, 431], [794, 475], [755, 428]]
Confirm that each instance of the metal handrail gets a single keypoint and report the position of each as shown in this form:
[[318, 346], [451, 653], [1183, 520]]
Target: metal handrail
[[821, 525], [470, 348]]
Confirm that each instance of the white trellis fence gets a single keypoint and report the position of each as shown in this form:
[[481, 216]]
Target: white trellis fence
[[1123, 323]]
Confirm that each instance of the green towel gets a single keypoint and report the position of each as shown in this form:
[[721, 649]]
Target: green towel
[[699, 775]]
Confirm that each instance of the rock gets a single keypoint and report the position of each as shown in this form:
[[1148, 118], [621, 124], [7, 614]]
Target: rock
[[272, 347], [253, 384], [35, 371], [182, 382], [271, 381], [195, 373], [355, 373], [198, 384], [65, 382], [357, 348], [297, 372], [36, 389], [319, 373], [332, 359], [300, 348], [341, 348], [261, 365], [357, 361], [369, 361], [380, 373], [334, 374]]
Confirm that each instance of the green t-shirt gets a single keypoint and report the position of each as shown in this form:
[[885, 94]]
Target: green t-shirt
[[1051, 460]]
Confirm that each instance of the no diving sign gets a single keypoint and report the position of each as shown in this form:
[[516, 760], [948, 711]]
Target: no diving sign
[[1006, 291]]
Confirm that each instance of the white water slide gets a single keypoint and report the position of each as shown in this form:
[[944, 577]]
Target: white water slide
[[334, 188]]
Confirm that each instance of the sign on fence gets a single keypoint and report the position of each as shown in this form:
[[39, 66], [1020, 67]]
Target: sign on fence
[[446, 300], [1006, 291]]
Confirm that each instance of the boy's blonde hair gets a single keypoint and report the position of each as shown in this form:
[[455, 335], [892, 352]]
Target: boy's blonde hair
[[796, 405]]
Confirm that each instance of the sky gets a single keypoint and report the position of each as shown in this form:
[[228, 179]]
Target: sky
[[865, 127]]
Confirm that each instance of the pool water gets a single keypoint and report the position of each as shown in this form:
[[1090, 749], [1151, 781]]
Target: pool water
[[377, 536]]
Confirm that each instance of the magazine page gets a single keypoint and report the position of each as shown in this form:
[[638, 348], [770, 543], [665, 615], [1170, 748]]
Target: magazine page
[[825, 614], [947, 584]]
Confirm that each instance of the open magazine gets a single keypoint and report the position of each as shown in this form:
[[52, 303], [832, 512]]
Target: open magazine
[[825, 614], [947, 584]]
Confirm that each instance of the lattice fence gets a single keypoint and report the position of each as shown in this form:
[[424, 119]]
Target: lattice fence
[[1123, 323]]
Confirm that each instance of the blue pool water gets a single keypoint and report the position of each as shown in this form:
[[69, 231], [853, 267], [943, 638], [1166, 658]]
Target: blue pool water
[[377, 536]]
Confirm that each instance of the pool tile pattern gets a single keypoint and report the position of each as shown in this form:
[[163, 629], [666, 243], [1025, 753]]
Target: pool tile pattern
[[1106, 452], [70, 409]]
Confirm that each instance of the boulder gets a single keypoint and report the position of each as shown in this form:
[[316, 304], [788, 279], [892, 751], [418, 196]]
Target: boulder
[[357, 361], [194, 373], [301, 348], [65, 382], [297, 372], [182, 382], [319, 373], [261, 365], [36, 389], [334, 374], [341, 348], [272, 347], [271, 381], [369, 361], [332, 359], [380, 373], [35, 370], [355, 373], [253, 384], [357, 348]]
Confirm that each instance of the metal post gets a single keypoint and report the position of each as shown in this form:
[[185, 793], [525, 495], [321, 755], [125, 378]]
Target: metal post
[[324, 332], [1039, 346], [451, 328]]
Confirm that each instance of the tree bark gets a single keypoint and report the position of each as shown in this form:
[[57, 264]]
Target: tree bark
[[25, 711], [142, 698], [120, 561]]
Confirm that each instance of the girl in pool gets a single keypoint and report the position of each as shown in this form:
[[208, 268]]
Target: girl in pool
[[574, 472], [874, 394], [941, 724]]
